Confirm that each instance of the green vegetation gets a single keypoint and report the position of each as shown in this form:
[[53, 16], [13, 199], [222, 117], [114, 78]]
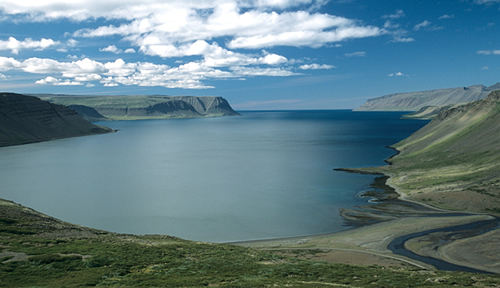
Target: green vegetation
[[59, 254]]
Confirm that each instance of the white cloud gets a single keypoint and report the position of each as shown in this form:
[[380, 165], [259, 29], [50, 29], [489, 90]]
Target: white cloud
[[489, 52], [397, 15], [112, 49], [57, 82], [421, 25], [15, 45], [446, 16], [223, 39], [315, 66], [191, 75], [486, 1], [427, 26], [257, 71], [356, 54], [397, 74], [167, 28]]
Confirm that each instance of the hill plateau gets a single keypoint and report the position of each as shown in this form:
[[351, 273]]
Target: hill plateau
[[139, 107]]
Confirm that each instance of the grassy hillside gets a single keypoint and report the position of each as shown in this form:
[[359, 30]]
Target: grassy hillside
[[454, 161], [40, 251], [134, 107]]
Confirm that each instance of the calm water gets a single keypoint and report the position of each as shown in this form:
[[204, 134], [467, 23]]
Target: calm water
[[259, 175]]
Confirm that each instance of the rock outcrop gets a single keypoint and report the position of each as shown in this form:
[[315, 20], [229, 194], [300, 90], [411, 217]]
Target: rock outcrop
[[415, 101], [26, 119]]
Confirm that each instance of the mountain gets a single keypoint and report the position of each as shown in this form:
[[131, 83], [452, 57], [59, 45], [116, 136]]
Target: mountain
[[26, 119], [134, 107], [415, 101], [454, 161]]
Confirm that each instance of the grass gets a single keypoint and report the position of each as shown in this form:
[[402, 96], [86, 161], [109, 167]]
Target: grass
[[60, 254]]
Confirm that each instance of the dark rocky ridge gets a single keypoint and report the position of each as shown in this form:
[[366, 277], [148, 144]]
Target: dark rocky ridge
[[26, 119]]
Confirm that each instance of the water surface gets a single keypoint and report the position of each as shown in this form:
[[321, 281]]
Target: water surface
[[255, 176]]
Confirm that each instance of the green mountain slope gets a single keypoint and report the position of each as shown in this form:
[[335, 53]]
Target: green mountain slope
[[27, 119], [133, 107], [454, 161], [414, 101]]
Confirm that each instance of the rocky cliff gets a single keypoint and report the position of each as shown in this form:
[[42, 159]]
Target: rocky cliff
[[26, 119], [415, 101], [133, 107]]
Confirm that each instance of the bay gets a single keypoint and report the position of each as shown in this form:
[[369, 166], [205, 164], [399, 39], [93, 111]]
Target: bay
[[261, 175]]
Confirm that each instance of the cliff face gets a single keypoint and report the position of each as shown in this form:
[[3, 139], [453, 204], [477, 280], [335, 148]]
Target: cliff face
[[454, 161], [27, 119], [143, 107], [415, 101]]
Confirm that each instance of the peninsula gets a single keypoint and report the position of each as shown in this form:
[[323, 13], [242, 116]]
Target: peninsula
[[142, 107]]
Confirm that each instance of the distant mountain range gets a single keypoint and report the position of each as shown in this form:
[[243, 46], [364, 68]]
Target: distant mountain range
[[415, 101], [26, 119], [139, 107]]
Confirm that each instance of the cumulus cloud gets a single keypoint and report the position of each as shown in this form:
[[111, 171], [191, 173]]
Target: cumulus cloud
[[191, 75], [164, 30], [223, 39], [57, 82], [112, 49], [15, 45]]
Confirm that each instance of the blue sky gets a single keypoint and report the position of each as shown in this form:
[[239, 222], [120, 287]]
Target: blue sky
[[258, 54]]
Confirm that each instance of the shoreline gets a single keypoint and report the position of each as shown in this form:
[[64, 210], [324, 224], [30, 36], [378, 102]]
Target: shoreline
[[371, 240]]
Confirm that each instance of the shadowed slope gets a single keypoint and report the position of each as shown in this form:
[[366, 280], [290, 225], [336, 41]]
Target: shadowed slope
[[27, 119]]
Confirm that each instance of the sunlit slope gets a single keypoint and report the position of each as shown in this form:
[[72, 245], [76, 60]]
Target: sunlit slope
[[454, 161]]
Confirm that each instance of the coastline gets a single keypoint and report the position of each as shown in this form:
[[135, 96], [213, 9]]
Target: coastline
[[372, 240]]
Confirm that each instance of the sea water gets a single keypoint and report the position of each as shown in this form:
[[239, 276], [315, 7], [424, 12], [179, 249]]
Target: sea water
[[261, 175]]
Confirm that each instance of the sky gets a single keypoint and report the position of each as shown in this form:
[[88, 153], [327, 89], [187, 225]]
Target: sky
[[258, 54]]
